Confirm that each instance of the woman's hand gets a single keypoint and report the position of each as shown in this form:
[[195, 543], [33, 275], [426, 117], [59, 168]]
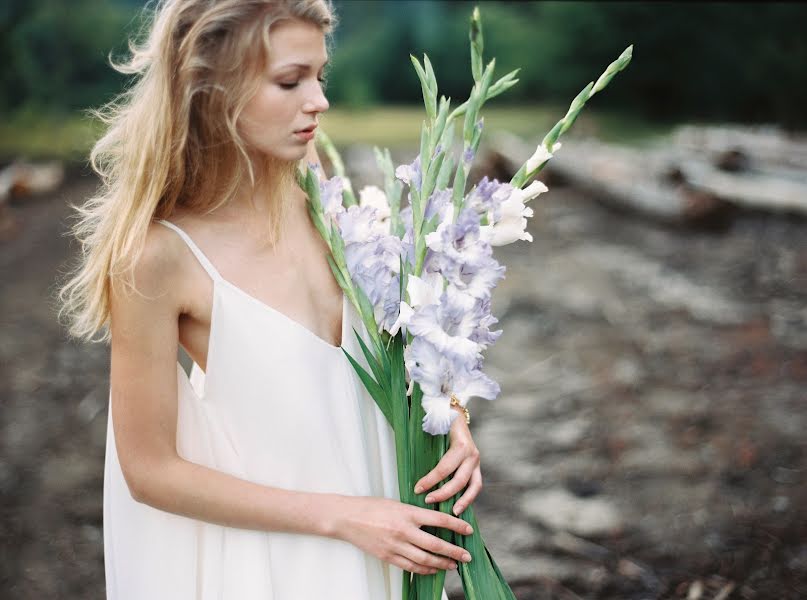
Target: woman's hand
[[462, 457], [391, 530]]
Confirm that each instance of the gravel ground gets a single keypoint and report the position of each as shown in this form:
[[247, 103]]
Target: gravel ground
[[648, 442]]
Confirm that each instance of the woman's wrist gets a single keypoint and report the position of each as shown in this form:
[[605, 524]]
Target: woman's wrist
[[331, 515], [455, 404]]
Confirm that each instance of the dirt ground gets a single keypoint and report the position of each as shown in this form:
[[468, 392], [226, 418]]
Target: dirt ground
[[649, 441]]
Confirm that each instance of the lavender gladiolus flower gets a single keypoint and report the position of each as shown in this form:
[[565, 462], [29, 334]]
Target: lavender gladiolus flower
[[439, 202], [482, 334], [330, 196], [440, 376], [374, 266], [463, 256], [387, 311], [359, 224], [488, 195], [458, 243], [408, 239], [410, 174], [449, 324]]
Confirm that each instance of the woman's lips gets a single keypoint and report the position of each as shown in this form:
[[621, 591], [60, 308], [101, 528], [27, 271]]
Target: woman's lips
[[306, 134]]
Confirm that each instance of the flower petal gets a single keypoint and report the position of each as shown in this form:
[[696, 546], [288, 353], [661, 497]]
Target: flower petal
[[426, 290], [439, 414], [404, 315]]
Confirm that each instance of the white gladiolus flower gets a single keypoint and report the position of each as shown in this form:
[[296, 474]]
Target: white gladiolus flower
[[426, 290], [507, 232], [421, 292], [404, 315], [372, 195], [540, 156], [529, 192], [509, 223]]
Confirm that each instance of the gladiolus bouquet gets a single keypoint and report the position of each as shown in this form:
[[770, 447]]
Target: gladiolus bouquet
[[421, 277]]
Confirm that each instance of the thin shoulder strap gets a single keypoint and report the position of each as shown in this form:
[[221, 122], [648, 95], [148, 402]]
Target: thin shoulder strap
[[200, 256]]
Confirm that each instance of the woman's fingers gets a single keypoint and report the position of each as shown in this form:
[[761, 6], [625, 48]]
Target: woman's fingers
[[474, 487], [391, 530], [457, 483], [447, 465], [435, 518], [435, 545], [411, 566], [426, 559]]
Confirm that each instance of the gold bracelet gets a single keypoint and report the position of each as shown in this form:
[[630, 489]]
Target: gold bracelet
[[455, 402]]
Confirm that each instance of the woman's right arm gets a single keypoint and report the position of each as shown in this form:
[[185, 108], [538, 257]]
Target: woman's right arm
[[143, 380]]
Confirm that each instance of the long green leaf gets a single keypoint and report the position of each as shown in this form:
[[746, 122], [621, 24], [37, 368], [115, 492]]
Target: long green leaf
[[507, 593], [427, 451], [429, 97], [373, 388], [337, 273], [479, 577], [378, 371]]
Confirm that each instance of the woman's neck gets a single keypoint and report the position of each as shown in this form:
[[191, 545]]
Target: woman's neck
[[274, 183]]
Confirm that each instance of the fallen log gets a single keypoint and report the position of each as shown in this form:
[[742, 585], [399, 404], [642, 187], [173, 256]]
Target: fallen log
[[763, 147], [19, 180], [752, 189], [28, 179], [666, 182], [617, 175]]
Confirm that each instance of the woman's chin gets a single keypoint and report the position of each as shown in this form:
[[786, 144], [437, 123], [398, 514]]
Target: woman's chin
[[287, 154], [294, 153]]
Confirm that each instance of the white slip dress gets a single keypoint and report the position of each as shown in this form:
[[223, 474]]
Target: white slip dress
[[278, 406]]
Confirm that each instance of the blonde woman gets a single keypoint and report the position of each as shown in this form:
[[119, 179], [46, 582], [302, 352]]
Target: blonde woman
[[269, 473]]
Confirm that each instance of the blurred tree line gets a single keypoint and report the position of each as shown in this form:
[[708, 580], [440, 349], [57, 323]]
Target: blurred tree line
[[718, 60], [712, 61]]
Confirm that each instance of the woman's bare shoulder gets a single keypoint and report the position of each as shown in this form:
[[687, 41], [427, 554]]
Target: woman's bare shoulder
[[163, 258], [157, 273]]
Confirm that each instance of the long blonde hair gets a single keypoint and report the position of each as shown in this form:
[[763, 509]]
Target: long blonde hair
[[171, 137]]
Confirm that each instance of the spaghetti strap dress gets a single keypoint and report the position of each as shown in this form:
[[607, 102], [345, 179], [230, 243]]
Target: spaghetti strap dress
[[278, 406]]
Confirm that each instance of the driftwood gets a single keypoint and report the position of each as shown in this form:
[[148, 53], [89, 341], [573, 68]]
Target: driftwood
[[772, 190], [678, 180], [616, 175], [764, 147], [19, 180]]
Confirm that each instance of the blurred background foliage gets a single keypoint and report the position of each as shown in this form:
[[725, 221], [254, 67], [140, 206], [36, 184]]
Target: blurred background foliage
[[740, 62], [717, 61]]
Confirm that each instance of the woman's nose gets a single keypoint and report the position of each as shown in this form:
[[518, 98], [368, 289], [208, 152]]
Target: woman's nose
[[317, 102]]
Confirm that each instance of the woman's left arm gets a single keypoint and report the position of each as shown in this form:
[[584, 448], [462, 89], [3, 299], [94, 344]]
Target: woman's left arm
[[462, 459]]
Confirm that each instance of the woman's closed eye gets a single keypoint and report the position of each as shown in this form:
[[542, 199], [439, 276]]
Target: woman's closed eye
[[293, 84]]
